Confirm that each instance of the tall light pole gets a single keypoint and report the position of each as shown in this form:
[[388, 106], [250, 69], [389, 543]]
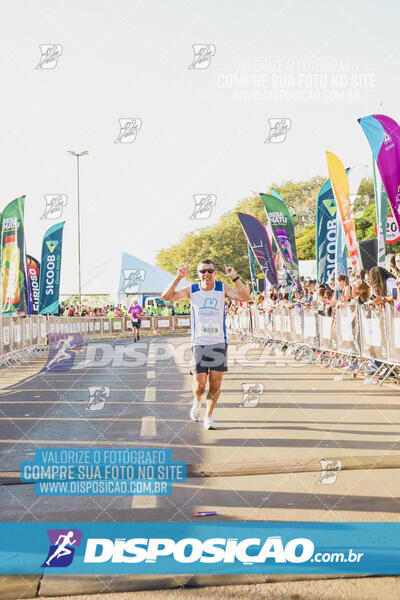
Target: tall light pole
[[78, 155]]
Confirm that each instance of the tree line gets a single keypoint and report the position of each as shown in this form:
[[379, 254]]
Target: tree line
[[225, 241]]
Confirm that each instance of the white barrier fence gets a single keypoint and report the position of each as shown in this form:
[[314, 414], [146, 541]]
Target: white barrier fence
[[354, 330], [20, 337]]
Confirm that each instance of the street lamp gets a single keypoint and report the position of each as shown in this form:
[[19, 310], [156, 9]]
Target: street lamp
[[78, 155]]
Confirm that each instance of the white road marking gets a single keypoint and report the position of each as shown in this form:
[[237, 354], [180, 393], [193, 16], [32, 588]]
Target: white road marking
[[148, 428], [151, 374], [151, 356], [144, 502], [150, 394]]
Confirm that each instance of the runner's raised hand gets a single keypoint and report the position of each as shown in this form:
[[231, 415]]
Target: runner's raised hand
[[230, 272], [183, 271]]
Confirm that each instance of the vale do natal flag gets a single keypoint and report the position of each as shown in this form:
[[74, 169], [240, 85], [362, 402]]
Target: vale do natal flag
[[327, 236], [50, 270], [13, 257], [258, 240], [252, 264], [283, 231], [341, 191]]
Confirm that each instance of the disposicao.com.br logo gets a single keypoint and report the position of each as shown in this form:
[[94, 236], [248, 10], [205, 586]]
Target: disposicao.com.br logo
[[193, 547], [248, 551], [191, 550]]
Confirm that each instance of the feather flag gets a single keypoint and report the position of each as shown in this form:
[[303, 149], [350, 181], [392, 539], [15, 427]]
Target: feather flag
[[341, 191], [260, 244]]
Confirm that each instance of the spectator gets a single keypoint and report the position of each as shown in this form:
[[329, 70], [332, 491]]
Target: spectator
[[382, 283]]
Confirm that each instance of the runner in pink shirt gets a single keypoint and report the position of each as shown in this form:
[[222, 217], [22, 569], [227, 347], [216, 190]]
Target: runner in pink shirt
[[135, 311]]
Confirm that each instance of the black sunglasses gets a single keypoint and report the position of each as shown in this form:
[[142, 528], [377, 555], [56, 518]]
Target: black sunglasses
[[202, 271]]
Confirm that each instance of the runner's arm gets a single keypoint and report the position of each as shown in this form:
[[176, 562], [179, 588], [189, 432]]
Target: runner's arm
[[240, 291], [170, 294]]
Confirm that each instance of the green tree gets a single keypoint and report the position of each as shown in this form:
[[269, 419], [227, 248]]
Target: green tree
[[305, 243], [225, 242], [365, 224], [301, 198], [365, 197]]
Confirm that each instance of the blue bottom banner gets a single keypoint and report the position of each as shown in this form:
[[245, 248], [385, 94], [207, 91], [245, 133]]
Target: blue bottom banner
[[194, 548]]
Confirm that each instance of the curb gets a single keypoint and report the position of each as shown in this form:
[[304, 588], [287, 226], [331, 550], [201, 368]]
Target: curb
[[13, 587]]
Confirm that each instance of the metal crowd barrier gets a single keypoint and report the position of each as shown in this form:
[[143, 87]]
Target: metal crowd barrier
[[26, 338], [357, 332]]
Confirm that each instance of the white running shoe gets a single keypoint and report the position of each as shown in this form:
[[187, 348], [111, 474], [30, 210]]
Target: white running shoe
[[195, 411], [208, 422]]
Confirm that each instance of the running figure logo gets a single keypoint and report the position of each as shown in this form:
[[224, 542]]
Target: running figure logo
[[63, 347], [251, 394], [132, 279], [97, 397], [329, 471], [203, 54], [55, 204], [203, 205], [62, 547], [278, 129], [128, 129], [50, 53]]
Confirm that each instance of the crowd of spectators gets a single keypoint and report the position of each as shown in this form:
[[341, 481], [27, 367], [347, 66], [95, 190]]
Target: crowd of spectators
[[73, 310], [373, 288]]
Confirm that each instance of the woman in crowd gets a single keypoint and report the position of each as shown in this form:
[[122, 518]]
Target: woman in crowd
[[382, 283]]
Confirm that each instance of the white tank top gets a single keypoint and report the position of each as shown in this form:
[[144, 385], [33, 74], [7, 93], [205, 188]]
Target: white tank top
[[207, 311]]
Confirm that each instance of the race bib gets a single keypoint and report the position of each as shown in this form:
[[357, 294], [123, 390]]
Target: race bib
[[210, 330], [135, 320]]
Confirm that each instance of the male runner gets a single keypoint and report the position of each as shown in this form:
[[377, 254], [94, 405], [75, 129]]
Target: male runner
[[209, 348], [135, 311]]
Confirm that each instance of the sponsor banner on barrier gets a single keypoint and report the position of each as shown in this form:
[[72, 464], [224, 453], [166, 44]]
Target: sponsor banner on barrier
[[393, 333], [27, 332], [163, 322], [373, 334], [117, 325], [310, 325], [327, 332], [348, 332], [310, 548], [297, 324], [182, 322], [6, 337], [16, 333]]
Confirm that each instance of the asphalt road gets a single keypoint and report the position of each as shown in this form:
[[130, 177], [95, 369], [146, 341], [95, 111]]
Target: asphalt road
[[300, 415], [304, 413]]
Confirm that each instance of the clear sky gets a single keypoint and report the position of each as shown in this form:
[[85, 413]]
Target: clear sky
[[203, 131]]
